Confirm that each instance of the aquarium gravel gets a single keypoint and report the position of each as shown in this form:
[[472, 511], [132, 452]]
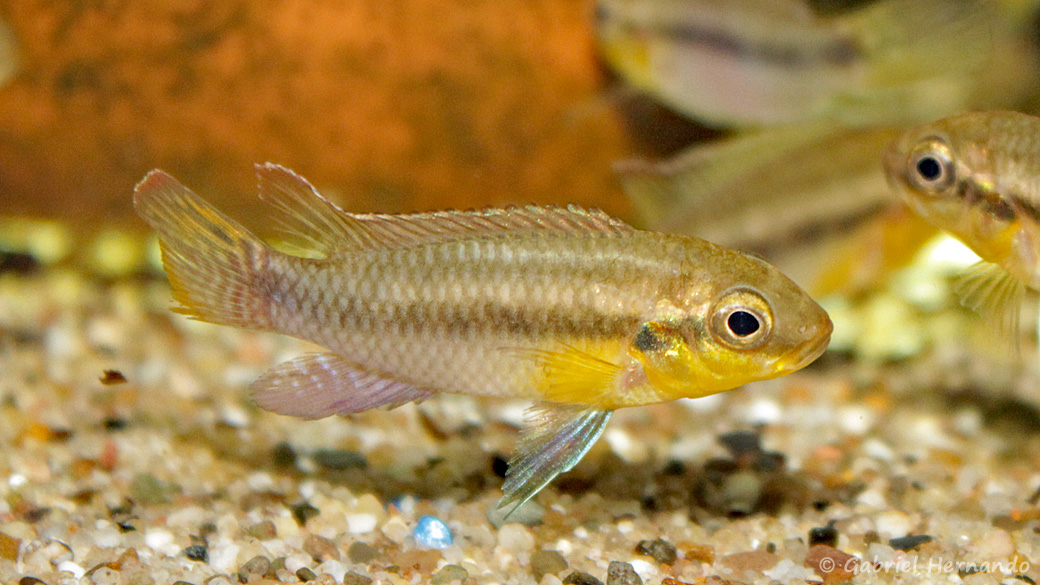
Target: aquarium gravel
[[132, 455]]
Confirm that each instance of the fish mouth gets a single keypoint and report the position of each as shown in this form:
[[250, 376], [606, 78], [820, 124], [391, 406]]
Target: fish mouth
[[807, 352]]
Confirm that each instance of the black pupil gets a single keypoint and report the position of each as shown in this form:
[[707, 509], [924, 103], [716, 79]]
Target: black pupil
[[742, 323], [929, 168]]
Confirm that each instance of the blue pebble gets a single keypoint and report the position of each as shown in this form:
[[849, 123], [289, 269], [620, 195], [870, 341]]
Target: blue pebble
[[432, 532]]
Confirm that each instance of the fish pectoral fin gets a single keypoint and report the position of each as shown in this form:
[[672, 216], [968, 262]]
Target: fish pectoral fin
[[992, 292], [553, 440], [574, 376], [319, 385]]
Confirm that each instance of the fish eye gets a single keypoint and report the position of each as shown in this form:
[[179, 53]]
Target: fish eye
[[742, 323], [742, 319], [931, 166]]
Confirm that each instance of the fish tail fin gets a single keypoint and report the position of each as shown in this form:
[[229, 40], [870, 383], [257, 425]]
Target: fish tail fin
[[217, 268]]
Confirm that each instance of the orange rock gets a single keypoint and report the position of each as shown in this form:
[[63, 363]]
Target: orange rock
[[9, 547], [756, 561], [831, 564], [704, 553], [397, 106]]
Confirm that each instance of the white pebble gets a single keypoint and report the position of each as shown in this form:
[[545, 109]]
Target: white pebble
[[645, 570], [295, 562], [763, 411], [856, 420], [361, 523], [334, 568], [996, 545], [893, 524], [876, 449], [104, 576], [71, 567], [223, 555], [786, 571], [160, 541], [515, 538]]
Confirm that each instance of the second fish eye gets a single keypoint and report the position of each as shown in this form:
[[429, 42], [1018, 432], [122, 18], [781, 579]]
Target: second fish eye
[[931, 166]]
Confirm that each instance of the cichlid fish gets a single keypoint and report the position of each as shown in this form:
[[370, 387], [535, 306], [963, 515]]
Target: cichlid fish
[[741, 62], [977, 176], [812, 200], [567, 307]]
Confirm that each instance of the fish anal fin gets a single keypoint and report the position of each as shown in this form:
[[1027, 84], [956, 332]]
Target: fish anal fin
[[553, 440], [570, 375], [316, 386], [991, 291]]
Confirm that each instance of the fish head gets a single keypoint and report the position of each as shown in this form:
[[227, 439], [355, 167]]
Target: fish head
[[738, 321], [971, 176]]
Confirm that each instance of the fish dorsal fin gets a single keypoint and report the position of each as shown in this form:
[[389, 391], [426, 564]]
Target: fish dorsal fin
[[315, 224], [445, 226], [554, 438], [326, 229], [991, 291]]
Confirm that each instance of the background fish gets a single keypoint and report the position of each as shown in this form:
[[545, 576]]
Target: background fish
[[740, 62], [570, 308], [977, 176]]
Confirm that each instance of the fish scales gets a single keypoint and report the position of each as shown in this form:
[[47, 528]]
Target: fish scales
[[471, 301], [567, 307]]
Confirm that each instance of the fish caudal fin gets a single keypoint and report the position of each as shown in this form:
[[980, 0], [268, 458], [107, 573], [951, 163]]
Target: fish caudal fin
[[319, 385], [554, 439], [215, 266]]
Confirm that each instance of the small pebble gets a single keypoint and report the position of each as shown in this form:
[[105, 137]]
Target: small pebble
[[320, 548], [197, 552], [580, 578], [909, 542], [283, 455], [432, 532], [257, 566], [659, 549], [112, 378], [303, 512], [356, 579], [619, 573], [827, 535], [262, 530], [339, 459], [305, 574], [31, 581], [449, 574], [361, 552], [546, 562]]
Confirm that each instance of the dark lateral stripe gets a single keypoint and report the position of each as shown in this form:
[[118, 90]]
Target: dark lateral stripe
[[838, 52], [487, 318], [992, 202]]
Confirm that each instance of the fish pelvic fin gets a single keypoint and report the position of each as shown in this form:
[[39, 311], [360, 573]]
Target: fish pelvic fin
[[554, 438], [991, 291], [319, 385], [215, 266]]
